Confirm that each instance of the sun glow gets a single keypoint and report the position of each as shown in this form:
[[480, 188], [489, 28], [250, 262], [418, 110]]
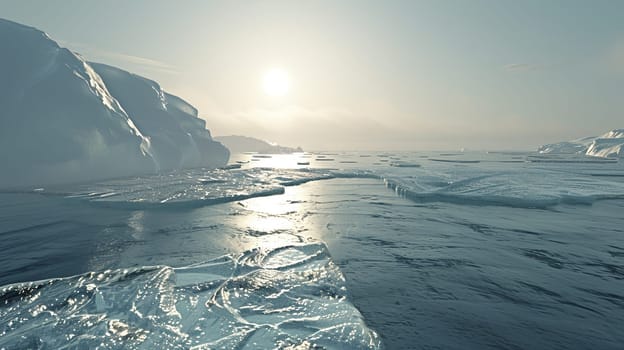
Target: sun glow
[[276, 82]]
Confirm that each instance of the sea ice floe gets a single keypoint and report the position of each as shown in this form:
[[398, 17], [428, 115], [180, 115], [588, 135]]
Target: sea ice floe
[[290, 296]]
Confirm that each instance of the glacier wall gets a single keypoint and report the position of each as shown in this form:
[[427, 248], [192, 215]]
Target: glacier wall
[[63, 119]]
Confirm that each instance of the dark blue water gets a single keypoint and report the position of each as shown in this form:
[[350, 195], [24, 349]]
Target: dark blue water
[[425, 274]]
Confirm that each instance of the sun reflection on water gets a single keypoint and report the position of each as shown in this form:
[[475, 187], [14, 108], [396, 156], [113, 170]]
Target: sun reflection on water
[[298, 160], [275, 221]]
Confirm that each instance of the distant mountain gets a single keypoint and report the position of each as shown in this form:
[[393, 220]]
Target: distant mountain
[[608, 145], [239, 144], [63, 119]]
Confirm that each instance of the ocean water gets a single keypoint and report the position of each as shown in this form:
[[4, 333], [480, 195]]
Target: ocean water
[[350, 251]]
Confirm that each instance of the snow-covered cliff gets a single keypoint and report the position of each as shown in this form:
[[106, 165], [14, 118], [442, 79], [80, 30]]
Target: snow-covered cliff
[[61, 120]]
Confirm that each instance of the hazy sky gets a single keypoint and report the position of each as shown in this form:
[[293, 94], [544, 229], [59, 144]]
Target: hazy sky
[[366, 74]]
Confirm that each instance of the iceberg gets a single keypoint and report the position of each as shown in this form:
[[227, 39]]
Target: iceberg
[[608, 145], [63, 119], [178, 137], [566, 147]]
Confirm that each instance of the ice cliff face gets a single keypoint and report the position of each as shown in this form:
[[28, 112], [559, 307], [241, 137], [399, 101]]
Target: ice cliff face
[[608, 145], [178, 138], [60, 121]]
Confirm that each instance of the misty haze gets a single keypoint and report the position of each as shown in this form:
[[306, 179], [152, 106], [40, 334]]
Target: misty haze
[[311, 174]]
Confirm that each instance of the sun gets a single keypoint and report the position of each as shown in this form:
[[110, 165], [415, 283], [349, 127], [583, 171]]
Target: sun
[[275, 82]]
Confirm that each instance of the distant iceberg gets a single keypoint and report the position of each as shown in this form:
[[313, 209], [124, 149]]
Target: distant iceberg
[[63, 119], [608, 145]]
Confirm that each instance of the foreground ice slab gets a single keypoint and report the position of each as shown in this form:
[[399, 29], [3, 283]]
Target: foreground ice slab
[[287, 297]]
